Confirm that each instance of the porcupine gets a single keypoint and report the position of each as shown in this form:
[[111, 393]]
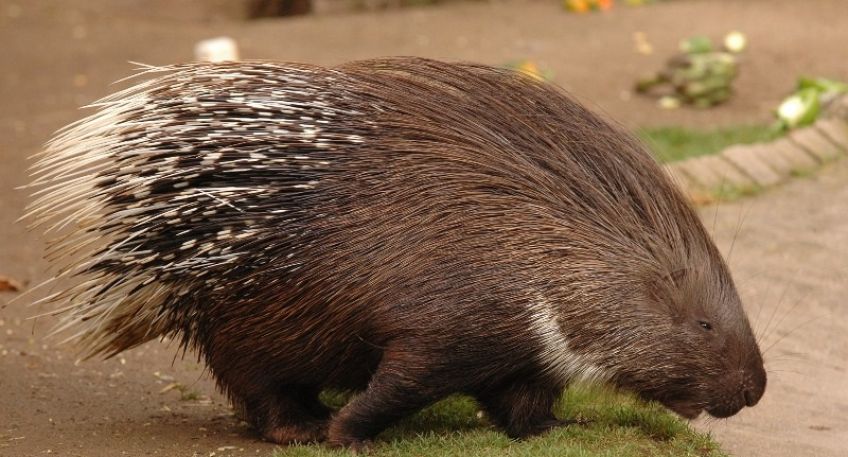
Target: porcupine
[[403, 228]]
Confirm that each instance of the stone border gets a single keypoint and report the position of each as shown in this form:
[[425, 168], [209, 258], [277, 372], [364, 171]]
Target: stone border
[[746, 168]]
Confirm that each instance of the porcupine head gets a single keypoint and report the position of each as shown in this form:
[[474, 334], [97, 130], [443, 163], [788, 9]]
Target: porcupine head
[[403, 228]]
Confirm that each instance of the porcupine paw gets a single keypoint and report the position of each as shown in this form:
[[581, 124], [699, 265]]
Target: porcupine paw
[[362, 447], [354, 445], [355, 436], [310, 432], [549, 424], [341, 435]]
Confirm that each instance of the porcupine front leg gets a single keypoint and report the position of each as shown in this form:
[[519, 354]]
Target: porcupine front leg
[[403, 384], [523, 409]]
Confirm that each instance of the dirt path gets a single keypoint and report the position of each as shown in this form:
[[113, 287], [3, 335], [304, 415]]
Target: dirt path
[[55, 59], [790, 259]]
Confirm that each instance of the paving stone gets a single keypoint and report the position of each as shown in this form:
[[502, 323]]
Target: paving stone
[[777, 162], [677, 176], [691, 188], [837, 108], [744, 157], [814, 142], [713, 172], [800, 160], [729, 173], [836, 130], [699, 172]]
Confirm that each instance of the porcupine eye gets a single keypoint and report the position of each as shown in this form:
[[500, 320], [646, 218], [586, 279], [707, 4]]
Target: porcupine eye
[[705, 325]]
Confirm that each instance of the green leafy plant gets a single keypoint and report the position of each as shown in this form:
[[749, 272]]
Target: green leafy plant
[[804, 106]]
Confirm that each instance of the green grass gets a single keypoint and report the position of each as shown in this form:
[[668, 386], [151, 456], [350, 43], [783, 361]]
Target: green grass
[[617, 425], [670, 144]]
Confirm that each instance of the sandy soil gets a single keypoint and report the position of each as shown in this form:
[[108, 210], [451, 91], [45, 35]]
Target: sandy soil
[[789, 253], [789, 250]]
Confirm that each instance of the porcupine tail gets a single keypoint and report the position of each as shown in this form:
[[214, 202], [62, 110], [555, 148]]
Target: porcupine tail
[[175, 188]]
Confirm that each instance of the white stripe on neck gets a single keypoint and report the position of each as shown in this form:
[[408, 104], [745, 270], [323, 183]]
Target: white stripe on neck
[[556, 355]]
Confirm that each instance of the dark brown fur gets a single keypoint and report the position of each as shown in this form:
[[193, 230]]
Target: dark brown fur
[[478, 198]]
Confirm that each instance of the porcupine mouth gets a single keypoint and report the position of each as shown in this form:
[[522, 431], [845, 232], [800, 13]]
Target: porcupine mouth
[[691, 411], [724, 411], [687, 411]]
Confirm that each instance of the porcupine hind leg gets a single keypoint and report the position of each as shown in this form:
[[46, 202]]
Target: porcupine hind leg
[[523, 409], [403, 383], [282, 412], [294, 415]]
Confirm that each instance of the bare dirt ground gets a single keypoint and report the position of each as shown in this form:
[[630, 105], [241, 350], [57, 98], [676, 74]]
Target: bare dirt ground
[[790, 259], [791, 244]]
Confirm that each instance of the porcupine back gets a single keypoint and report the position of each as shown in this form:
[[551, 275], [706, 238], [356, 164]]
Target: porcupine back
[[205, 184]]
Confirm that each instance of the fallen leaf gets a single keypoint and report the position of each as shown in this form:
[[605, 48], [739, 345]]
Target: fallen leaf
[[8, 284], [169, 387]]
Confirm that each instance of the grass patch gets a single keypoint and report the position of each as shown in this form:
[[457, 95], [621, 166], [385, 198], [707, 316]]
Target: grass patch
[[670, 144], [618, 425]]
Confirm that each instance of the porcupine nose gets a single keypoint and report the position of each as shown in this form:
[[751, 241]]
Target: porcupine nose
[[751, 398], [754, 385]]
